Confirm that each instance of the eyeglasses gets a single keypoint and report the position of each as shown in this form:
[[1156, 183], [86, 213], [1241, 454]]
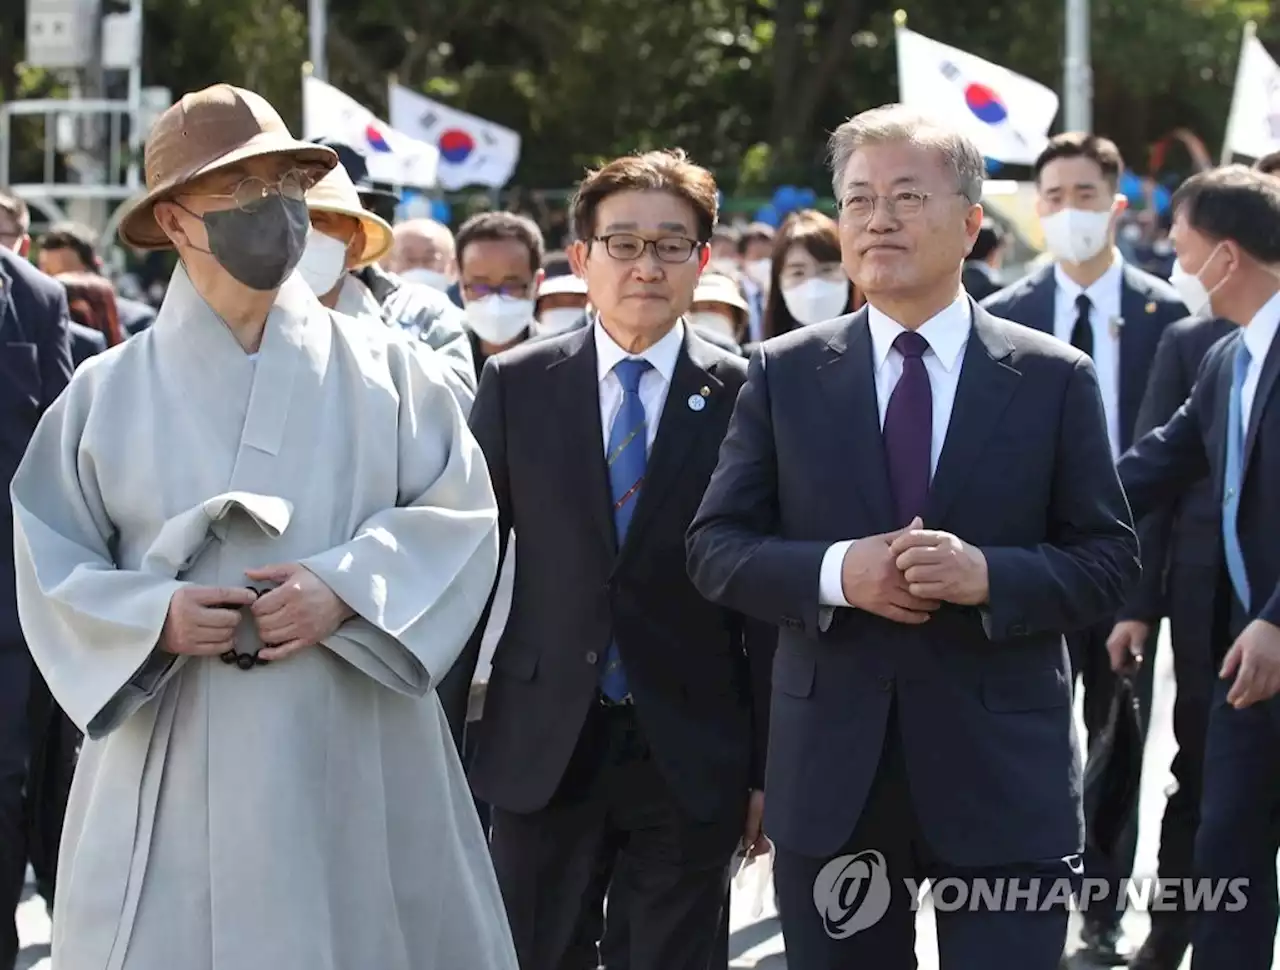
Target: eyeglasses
[[515, 291], [250, 191], [906, 204], [626, 248]]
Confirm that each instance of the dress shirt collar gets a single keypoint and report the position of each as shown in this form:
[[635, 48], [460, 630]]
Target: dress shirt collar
[[662, 355], [1261, 331], [946, 332], [1105, 289]]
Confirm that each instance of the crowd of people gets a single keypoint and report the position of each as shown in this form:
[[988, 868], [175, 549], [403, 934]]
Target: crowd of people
[[409, 598]]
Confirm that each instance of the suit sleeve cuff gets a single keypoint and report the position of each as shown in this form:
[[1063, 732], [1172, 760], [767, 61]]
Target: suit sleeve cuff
[[831, 583]]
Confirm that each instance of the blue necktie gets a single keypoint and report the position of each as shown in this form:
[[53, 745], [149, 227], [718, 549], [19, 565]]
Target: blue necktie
[[908, 429], [1233, 474], [628, 441]]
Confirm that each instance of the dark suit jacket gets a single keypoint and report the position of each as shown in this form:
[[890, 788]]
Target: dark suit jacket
[[978, 280], [85, 342], [135, 316], [984, 698], [1168, 461], [35, 365], [1185, 532], [699, 676]]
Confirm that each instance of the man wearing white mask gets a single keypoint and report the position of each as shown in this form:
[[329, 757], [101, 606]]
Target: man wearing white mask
[[1115, 313], [500, 270], [345, 242], [562, 303], [423, 252]]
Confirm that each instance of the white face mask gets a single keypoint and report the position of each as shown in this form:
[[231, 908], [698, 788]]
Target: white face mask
[[714, 322], [816, 300], [1076, 235], [427, 277], [559, 319], [324, 260], [498, 319], [1190, 290], [759, 270]]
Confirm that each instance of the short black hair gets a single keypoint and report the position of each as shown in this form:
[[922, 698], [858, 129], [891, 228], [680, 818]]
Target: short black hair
[[77, 237], [1078, 144], [1234, 202], [990, 236], [502, 225], [1268, 164], [756, 232]]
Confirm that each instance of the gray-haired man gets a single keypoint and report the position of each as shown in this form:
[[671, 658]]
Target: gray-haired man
[[922, 498]]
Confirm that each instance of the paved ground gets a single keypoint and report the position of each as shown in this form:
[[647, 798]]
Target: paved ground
[[756, 942]]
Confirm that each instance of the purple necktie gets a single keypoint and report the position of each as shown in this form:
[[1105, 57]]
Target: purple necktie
[[908, 429]]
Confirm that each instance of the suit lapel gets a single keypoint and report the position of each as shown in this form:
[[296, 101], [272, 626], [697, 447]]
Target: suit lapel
[[679, 427], [1133, 333], [1261, 398], [987, 382], [8, 312], [1041, 305], [848, 381], [575, 391]]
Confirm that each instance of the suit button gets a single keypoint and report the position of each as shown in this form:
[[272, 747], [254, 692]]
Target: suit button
[[886, 684], [1018, 629], [592, 657]]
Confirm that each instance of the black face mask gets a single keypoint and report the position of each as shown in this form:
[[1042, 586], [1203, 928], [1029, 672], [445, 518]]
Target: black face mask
[[259, 245]]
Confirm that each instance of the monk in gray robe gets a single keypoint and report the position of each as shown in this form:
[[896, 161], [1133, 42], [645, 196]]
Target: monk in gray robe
[[268, 780]]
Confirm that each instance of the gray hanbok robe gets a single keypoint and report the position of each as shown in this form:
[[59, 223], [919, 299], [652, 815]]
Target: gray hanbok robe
[[311, 814]]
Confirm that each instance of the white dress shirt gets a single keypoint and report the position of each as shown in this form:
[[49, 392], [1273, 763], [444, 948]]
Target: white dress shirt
[[654, 383], [1104, 299], [1258, 337], [947, 334]]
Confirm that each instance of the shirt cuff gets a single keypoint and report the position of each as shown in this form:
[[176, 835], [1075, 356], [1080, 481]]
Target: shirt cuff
[[830, 583]]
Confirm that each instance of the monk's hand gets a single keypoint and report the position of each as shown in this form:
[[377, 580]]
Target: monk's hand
[[1254, 662], [202, 620], [300, 612], [939, 566], [754, 841]]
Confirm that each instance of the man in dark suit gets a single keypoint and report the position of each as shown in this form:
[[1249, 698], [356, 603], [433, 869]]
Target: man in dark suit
[[922, 497], [1179, 573], [1228, 430], [979, 274], [625, 715], [35, 365], [1089, 297]]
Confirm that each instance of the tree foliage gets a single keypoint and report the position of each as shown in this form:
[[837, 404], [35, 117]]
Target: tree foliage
[[749, 87]]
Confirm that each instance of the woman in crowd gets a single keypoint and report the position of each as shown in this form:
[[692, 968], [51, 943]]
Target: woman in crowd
[[807, 283], [92, 302]]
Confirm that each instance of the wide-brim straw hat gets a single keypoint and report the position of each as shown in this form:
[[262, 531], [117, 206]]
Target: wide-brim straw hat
[[207, 131], [714, 288], [337, 193]]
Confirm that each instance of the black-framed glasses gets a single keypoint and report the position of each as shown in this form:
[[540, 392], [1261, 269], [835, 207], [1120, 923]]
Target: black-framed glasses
[[249, 191], [903, 204], [627, 247]]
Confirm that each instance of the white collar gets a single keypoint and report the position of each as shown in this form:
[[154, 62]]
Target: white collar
[[661, 356], [946, 332], [1109, 282], [1261, 331]]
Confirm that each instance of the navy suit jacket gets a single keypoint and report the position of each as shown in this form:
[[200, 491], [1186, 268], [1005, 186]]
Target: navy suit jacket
[[1168, 461], [1186, 532], [35, 365], [85, 343], [984, 696]]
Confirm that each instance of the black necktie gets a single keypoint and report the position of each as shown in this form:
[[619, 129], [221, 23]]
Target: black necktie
[[1082, 332]]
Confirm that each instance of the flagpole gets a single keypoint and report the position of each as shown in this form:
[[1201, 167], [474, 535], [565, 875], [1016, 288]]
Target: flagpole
[[1250, 31], [1077, 80], [899, 24], [318, 27]]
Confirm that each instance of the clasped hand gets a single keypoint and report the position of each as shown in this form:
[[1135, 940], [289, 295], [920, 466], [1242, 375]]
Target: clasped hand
[[300, 612], [905, 575]]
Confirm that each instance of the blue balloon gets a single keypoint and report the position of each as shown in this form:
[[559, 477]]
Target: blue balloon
[[1131, 187], [786, 199], [1163, 198], [441, 211], [807, 199], [769, 215]]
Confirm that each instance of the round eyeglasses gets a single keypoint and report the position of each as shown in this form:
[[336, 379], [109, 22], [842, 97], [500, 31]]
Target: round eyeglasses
[[252, 190], [626, 247]]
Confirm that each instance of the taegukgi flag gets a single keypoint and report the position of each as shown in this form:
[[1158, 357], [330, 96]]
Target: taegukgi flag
[[391, 155], [473, 151], [1007, 115], [1253, 127]]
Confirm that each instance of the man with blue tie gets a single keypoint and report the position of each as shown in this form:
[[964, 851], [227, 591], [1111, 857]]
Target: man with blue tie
[[625, 719], [1225, 233], [922, 497]]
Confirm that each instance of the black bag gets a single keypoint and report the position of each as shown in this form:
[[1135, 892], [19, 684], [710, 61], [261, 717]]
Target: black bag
[[1116, 763]]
